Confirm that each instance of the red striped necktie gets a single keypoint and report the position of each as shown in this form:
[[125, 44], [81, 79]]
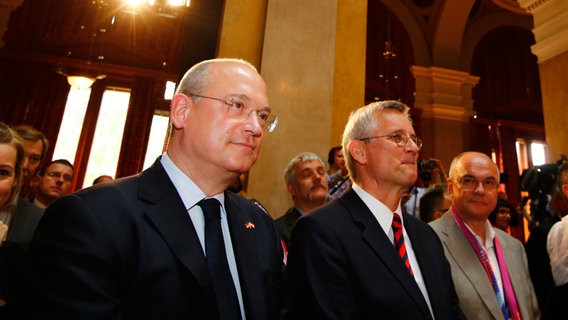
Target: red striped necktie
[[399, 240]]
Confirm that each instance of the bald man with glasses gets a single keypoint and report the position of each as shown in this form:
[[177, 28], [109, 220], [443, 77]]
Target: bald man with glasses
[[361, 257], [489, 267], [171, 242]]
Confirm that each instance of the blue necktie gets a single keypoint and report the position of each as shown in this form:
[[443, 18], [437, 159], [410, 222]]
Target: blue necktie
[[216, 256]]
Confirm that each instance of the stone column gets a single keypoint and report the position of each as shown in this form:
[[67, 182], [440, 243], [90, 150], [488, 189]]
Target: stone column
[[444, 97], [242, 30], [313, 61], [551, 35]]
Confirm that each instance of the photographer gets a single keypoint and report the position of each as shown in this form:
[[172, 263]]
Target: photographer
[[430, 173]]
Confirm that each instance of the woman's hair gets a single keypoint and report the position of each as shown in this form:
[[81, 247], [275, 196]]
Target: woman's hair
[[9, 137], [504, 203]]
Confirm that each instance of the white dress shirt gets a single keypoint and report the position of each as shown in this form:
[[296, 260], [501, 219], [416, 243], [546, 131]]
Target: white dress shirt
[[190, 195], [384, 216], [557, 246]]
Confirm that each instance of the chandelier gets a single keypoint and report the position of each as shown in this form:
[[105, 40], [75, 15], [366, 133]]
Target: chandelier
[[88, 41], [164, 8]]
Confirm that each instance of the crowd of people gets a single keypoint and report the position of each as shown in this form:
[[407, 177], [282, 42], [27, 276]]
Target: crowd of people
[[373, 236]]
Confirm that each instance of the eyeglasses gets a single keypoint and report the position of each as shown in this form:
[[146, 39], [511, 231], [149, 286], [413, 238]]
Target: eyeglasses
[[58, 175], [238, 109], [470, 183], [399, 138]]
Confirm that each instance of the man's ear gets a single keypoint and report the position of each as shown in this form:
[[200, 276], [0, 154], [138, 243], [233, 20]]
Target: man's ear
[[290, 188], [565, 190], [357, 151], [179, 109]]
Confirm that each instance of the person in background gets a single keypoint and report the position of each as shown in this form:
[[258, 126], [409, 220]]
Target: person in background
[[26, 216], [102, 179], [430, 174], [489, 267], [361, 257], [52, 182], [170, 243], [337, 176], [433, 204], [306, 183], [12, 281], [35, 147], [557, 247], [504, 216]]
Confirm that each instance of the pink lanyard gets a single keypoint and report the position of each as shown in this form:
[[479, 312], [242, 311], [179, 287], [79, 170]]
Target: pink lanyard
[[482, 256]]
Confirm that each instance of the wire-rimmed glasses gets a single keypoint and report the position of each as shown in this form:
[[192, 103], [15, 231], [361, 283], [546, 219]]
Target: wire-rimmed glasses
[[239, 109], [399, 138]]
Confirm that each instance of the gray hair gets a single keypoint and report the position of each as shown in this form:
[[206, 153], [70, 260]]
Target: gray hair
[[302, 157], [362, 123]]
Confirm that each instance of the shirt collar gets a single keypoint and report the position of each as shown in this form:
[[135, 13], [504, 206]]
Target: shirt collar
[[381, 212], [187, 189]]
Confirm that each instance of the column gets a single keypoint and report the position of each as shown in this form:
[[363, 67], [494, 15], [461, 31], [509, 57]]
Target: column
[[551, 35], [445, 100], [314, 67]]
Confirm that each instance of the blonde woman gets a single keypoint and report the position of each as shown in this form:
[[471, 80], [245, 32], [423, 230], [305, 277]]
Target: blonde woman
[[11, 254]]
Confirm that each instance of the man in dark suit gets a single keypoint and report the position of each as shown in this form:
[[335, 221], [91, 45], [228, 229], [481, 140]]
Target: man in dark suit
[[307, 184], [354, 258], [139, 247]]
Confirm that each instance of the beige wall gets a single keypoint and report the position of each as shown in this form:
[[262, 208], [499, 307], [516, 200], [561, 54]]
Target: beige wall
[[553, 79], [314, 68]]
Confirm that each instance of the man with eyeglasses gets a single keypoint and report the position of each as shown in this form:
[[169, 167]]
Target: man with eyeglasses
[[361, 257], [170, 243], [489, 267], [306, 182], [52, 182]]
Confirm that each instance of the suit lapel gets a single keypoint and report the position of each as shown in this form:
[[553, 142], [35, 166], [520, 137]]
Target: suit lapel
[[464, 255], [244, 239], [374, 236], [170, 218]]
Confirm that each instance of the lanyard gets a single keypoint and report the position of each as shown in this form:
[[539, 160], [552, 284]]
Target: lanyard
[[482, 256]]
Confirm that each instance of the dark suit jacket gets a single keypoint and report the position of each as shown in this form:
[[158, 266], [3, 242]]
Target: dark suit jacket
[[342, 266], [128, 250], [24, 222], [286, 222]]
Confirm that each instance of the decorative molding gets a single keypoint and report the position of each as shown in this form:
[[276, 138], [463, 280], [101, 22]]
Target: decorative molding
[[444, 93], [511, 5], [532, 5], [550, 27]]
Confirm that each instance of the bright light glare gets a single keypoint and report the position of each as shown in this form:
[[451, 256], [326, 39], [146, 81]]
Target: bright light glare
[[538, 153], [179, 3], [170, 90], [136, 2]]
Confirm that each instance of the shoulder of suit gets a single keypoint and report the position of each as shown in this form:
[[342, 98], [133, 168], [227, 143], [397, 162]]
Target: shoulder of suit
[[506, 238]]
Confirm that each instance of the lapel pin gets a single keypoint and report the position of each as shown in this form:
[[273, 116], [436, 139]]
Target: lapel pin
[[249, 225]]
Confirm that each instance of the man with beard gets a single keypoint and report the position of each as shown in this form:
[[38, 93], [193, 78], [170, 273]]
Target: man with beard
[[306, 182]]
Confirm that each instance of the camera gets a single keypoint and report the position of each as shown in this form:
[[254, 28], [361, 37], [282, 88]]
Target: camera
[[426, 165]]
